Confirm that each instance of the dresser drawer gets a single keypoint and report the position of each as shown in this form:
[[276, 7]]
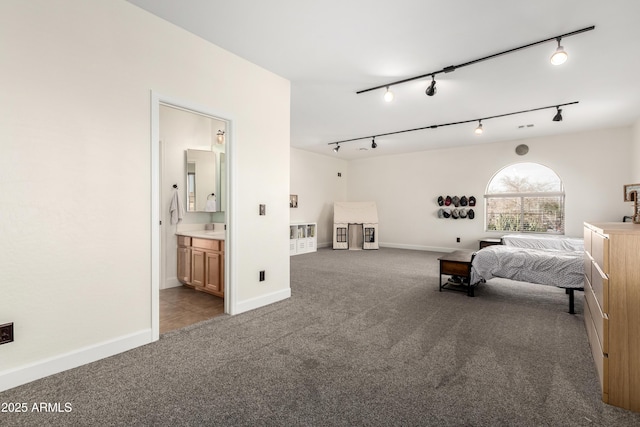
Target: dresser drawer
[[600, 285], [600, 251], [588, 262], [213, 245], [600, 359], [587, 239], [599, 319]]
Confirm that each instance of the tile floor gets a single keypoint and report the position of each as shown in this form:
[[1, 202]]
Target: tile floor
[[182, 306]]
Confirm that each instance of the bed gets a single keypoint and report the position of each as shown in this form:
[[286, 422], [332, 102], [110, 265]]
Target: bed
[[535, 260], [536, 241]]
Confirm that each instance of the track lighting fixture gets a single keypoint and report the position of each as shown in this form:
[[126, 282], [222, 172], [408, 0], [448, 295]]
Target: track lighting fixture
[[478, 130], [558, 116], [559, 57], [432, 89], [388, 95]]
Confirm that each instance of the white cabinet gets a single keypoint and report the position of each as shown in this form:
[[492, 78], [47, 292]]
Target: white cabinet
[[302, 238]]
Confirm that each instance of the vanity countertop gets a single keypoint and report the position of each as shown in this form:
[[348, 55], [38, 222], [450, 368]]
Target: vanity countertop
[[203, 234]]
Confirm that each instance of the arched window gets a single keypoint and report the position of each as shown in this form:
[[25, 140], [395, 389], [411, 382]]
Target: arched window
[[525, 197]]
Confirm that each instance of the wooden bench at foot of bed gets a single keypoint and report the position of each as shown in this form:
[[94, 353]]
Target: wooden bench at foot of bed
[[457, 264]]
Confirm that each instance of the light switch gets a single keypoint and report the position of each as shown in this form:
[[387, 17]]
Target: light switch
[[263, 209]]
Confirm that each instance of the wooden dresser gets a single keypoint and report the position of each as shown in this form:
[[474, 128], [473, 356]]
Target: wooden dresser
[[612, 308]]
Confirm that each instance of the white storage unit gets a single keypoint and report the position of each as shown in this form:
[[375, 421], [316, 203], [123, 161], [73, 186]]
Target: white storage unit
[[302, 238]]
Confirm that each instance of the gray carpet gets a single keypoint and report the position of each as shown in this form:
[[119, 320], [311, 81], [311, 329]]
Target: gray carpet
[[365, 340]]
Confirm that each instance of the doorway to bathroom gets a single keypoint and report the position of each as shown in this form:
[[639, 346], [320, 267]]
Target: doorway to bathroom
[[189, 162]]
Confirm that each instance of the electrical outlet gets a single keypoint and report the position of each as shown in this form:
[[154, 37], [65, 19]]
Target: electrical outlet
[[457, 239], [263, 209], [262, 276], [6, 333]]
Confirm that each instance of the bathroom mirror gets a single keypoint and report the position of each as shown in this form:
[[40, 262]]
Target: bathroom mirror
[[202, 181]]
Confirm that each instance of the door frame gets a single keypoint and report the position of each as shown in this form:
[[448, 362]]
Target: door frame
[[156, 200]]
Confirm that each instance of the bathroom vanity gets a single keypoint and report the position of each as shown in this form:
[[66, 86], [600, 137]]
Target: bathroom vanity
[[201, 260]]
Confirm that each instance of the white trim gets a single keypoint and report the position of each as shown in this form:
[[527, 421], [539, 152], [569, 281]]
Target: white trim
[[404, 246], [53, 365], [230, 264], [156, 263], [419, 247], [263, 300], [171, 282], [525, 194]]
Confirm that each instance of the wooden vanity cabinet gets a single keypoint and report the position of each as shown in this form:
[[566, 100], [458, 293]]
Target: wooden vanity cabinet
[[184, 259], [198, 267], [206, 265], [213, 278]]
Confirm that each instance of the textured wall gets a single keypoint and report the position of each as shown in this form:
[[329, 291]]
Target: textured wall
[[75, 171]]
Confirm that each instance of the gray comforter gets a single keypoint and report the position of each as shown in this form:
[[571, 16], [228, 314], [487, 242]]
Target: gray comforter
[[538, 241], [564, 269]]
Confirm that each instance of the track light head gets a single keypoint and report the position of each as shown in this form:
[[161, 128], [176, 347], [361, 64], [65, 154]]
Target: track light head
[[558, 116], [559, 57], [479, 129], [336, 148], [431, 90], [373, 143], [388, 95]]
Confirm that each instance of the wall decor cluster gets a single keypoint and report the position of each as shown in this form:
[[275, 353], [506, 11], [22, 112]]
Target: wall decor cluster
[[456, 207], [631, 195]]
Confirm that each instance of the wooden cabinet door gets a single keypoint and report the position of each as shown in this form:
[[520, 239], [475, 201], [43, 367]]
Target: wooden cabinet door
[[198, 263], [213, 272], [184, 265]]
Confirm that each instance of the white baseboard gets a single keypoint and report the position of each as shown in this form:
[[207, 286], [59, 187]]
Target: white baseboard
[[419, 247], [262, 301], [404, 246], [171, 282], [25, 374]]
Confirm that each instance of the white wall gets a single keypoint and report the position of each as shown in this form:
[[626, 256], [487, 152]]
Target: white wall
[[314, 178], [75, 174], [635, 154], [594, 166]]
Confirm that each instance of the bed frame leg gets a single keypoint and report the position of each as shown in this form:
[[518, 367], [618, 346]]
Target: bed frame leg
[[571, 301]]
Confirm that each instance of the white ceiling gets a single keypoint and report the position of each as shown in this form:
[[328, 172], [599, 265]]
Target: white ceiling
[[332, 48]]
